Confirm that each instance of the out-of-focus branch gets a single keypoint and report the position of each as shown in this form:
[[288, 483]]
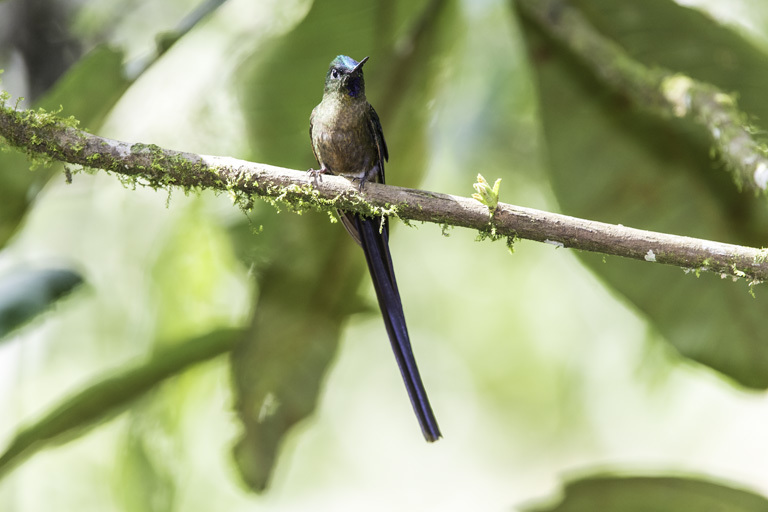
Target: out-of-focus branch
[[43, 134], [108, 397], [661, 91], [167, 39]]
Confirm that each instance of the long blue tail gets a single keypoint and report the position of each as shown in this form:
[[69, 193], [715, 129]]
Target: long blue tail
[[375, 245]]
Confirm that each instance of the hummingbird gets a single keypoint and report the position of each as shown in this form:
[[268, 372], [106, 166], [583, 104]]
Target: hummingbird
[[347, 140]]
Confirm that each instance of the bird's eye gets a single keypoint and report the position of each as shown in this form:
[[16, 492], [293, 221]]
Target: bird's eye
[[334, 73]]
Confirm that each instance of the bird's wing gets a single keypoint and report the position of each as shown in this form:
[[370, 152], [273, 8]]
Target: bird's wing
[[377, 134]]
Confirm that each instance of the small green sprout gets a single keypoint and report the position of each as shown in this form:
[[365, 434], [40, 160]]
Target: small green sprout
[[486, 194]]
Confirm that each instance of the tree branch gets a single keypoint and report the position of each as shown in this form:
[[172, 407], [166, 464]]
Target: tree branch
[[40, 133], [93, 404], [661, 91]]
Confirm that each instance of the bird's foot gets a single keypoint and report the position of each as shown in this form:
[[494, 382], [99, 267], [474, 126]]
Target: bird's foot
[[317, 174], [361, 185]]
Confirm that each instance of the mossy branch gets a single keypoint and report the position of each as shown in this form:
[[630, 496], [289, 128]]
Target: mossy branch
[[660, 91], [42, 135]]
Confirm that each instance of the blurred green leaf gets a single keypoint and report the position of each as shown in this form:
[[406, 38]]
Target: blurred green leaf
[[279, 365], [27, 293], [308, 269], [90, 88], [143, 484], [613, 163], [190, 274], [103, 400], [656, 494]]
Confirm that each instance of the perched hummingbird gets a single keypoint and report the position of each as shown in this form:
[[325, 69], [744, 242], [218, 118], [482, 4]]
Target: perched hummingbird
[[347, 140]]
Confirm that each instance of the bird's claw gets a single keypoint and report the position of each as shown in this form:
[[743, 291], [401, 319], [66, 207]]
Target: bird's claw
[[316, 174], [361, 186]]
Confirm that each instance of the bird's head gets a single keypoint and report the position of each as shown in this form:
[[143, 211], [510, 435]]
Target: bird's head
[[346, 76]]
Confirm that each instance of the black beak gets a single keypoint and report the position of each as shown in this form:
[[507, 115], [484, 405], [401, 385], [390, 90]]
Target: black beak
[[360, 64]]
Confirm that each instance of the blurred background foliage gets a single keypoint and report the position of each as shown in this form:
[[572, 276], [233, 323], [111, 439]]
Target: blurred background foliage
[[211, 353]]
